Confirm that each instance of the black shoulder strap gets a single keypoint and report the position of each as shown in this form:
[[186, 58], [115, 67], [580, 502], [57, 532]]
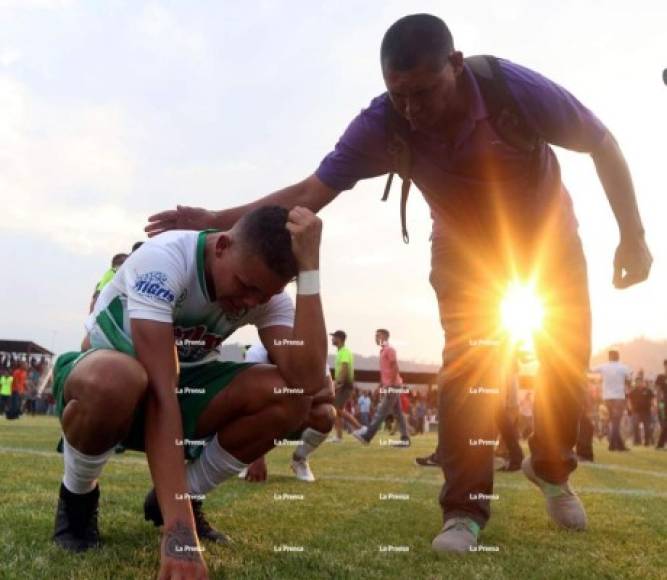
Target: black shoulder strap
[[504, 113], [398, 148]]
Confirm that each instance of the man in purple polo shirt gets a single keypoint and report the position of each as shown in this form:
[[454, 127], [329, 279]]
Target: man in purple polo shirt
[[500, 212]]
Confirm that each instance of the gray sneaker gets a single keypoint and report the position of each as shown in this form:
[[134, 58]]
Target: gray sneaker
[[563, 505], [458, 535]]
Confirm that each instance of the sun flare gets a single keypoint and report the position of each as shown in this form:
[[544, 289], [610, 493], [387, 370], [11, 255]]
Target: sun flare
[[522, 312]]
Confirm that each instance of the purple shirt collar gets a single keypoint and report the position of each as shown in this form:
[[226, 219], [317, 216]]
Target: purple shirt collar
[[476, 108]]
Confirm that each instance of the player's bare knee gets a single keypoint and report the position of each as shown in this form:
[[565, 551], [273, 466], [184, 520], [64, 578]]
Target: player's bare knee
[[114, 386], [322, 417], [291, 411]]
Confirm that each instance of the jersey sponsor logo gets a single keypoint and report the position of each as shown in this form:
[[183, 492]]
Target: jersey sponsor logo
[[195, 342], [154, 285]]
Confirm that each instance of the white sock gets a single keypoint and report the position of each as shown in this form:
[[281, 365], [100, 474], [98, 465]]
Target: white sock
[[211, 468], [81, 470], [312, 439]]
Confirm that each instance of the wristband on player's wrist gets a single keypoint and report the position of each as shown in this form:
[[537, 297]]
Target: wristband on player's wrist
[[308, 282]]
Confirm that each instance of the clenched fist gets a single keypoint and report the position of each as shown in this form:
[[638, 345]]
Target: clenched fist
[[306, 231]]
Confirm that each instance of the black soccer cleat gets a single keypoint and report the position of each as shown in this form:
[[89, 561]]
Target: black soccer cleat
[[204, 529], [428, 461], [76, 528]]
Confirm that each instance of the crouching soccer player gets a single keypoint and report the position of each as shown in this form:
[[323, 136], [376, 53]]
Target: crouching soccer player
[[310, 435], [170, 305]]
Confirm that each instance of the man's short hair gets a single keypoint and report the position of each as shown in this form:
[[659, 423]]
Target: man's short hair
[[383, 331], [136, 246], [413, 39], [614, 355], [263, 232], [340, 334], [118, 259]]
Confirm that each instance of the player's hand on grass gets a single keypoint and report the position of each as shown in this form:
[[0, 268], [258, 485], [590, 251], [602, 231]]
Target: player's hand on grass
[[181, 218], [180, 554], [632, 262], [306, 230], [257, 470]]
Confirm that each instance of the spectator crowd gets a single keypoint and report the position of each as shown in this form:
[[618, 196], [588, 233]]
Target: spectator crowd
[[25, 385]]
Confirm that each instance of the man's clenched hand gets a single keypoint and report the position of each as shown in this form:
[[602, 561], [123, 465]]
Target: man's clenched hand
[[306, 231], [632, 262]]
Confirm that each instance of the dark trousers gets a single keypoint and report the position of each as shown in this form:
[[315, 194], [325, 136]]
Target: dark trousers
[[509, 433], [585, 440], [468, 285], [14, 410], [616, 409], [663, 432], [644, 418]]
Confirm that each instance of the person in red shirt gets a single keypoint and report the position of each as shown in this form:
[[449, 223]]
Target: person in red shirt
[[20, 375], [391, 386]]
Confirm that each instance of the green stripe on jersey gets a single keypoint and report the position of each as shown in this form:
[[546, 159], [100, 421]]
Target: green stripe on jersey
[[115, 308], [113, 334], [201, 276]]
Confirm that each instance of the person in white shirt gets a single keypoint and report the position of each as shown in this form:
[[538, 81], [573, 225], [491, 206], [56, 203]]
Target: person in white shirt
[[615, 381]]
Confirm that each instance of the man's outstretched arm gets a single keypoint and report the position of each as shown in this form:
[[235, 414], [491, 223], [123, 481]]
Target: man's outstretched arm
[[311, 193], [632, 261]]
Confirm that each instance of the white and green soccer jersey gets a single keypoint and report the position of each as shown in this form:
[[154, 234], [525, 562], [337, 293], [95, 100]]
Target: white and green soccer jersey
[[164, 281]]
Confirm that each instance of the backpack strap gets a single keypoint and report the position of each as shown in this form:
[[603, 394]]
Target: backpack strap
[[400, 155], [505, 116]]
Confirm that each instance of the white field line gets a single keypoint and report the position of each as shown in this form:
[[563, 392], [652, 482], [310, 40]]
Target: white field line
[[612, 467], [425, 481]]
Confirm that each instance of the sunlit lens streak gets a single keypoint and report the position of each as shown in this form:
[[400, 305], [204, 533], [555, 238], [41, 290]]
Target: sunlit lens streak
[[492, 278], [522, 313]]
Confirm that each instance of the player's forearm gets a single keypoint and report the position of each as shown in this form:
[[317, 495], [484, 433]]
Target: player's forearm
[[326, 393], [163, 437], [616, 180], [164, 451], [307, 359]]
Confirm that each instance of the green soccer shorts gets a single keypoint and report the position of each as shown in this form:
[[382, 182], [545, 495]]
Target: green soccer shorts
[[197, 386]]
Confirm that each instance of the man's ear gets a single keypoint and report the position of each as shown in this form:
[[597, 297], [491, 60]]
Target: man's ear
[[456, 60], [223, 243]]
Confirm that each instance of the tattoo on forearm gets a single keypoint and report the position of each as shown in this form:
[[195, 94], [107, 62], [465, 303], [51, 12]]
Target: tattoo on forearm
[[181, 542]]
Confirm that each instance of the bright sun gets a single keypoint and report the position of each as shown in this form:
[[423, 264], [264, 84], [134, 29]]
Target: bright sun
[[521, 311]]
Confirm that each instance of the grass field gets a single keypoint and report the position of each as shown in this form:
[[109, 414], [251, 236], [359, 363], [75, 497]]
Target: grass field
[[341, 523]]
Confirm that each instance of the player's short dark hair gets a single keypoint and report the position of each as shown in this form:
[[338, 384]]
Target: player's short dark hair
[[263, 232], [614, 355], [413, 39], [383, 331], [136, 246], [118, 259]]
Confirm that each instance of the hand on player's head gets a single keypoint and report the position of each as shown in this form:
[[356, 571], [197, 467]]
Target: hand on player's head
[[181, 218]]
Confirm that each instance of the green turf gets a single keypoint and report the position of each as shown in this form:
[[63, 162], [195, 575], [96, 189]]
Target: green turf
[[341, 522]]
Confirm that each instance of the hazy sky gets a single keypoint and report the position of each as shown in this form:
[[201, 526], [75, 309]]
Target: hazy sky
[[111, 111]]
